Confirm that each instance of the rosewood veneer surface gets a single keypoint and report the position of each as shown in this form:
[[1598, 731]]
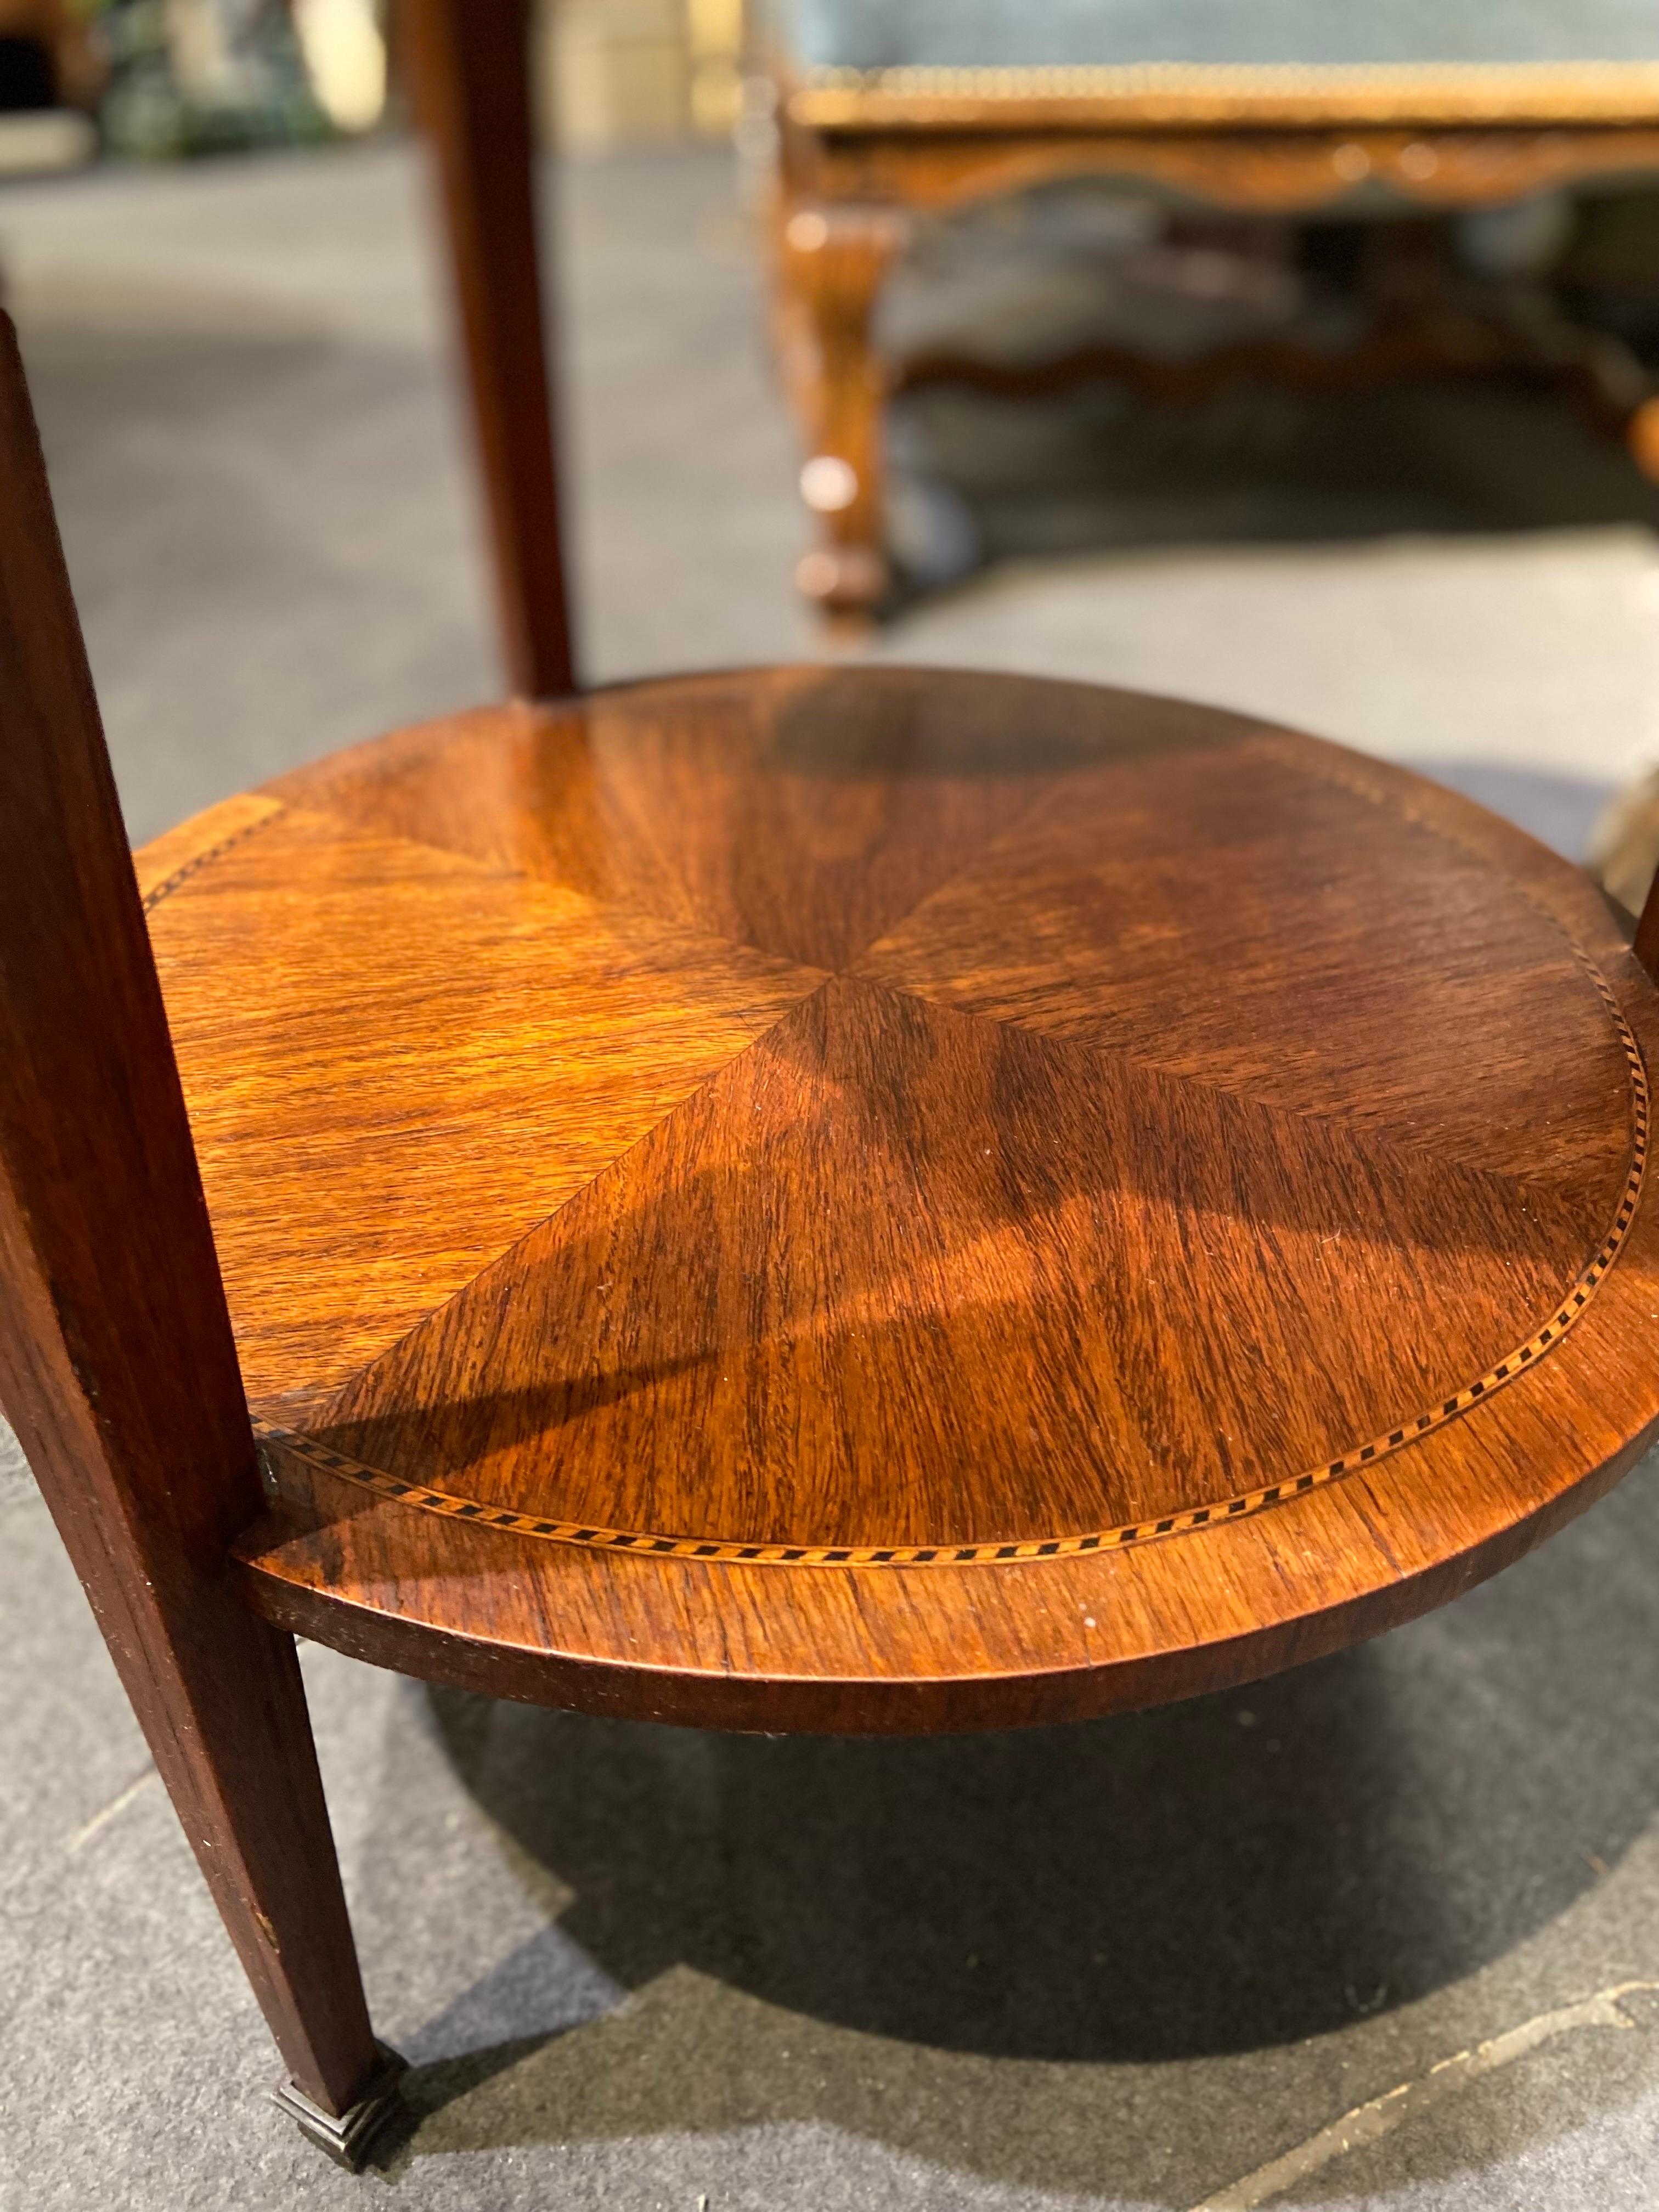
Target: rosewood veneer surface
[[880, 1200]]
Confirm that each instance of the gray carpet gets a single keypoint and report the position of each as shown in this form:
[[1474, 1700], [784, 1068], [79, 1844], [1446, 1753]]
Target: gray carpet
[[1163, 1963]]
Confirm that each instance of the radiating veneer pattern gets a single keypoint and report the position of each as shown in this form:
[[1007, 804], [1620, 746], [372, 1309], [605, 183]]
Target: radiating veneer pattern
[[825, 1124], [399, 1060]]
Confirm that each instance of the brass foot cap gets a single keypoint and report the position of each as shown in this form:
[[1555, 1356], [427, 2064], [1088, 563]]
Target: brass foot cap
[[348, 2138]]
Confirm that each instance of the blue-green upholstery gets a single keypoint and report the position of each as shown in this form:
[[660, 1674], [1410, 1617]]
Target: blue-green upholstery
[[885, 34]]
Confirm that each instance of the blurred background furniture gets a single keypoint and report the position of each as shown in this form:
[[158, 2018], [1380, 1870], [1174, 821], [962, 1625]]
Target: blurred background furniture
[[196, 76], [51, 72], [887, 110]]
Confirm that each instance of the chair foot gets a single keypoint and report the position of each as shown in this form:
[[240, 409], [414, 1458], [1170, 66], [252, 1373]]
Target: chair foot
[[1642, 435], [848, 585], [348, 2139]]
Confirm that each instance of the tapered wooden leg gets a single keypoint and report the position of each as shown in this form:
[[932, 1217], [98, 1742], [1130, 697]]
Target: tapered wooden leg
[[469, 66], [117, 1367], [219, 1696], [832, 262]]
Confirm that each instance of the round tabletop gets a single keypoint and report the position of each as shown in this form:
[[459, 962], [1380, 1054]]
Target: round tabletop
[[873, 1198]]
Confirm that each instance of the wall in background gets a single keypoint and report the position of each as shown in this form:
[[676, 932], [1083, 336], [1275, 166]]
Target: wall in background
[[620, 72]]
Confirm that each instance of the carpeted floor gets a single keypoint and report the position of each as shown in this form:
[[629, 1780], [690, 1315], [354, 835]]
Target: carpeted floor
[[1215, 1957]]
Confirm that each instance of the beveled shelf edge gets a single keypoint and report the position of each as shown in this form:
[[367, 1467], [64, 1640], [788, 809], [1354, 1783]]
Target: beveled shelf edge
[[277, 1563], [426, 1497]]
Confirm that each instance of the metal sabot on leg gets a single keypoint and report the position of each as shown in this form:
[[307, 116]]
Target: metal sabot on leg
[[348, 2138]]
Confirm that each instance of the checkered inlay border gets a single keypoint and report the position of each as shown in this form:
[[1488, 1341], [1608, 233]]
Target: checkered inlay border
[[1570, 1312]]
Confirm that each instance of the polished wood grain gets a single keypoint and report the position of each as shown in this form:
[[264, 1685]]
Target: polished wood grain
[[117, 1365], [1646, 945], [811, 1199], [535, 1036], [1467, 333], [799, 812], [1015, 1199], [467, 61], [1262, 172]]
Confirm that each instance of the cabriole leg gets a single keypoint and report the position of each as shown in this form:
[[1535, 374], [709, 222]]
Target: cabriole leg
[[832, 260]]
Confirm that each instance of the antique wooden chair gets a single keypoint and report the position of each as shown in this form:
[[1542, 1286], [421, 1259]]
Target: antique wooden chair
[[885, 108], [846, 1198]]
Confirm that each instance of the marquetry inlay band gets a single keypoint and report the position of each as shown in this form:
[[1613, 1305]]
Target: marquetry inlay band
[[1574, 1305], [181, 875]]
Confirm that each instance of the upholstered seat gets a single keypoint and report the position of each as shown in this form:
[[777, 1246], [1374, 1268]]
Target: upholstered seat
[[902, 35], [1283, 108]]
